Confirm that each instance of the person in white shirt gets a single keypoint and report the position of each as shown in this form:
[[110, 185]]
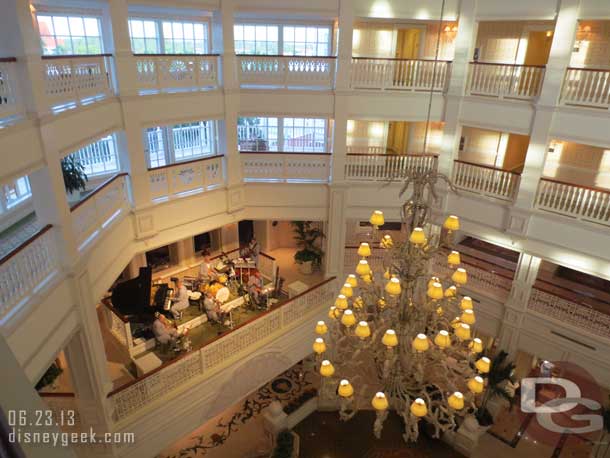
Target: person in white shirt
[[255, 287], [163, 331], [180, 299], [206, 271], [254, 250], [211, 308]]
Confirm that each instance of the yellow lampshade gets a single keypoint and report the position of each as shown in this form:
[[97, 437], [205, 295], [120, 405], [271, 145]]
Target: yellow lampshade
[[387, 274], [352, 280], [456, 401], [319, 346], [418, 236], [345, 389], [451, 291], [462, 332], [420, 343], [341, 302], [466, 303], [358, 303], [459, 276], [432, 281], [454, 258], [435, 291], [380, 402], [476, 346], [377, 218], [483, 365], [393, 286], [333, 313], [452, 223], [364, 250], [455, 322], [418, 408], [326, 369], [363, 268], [386, 241], [363, 330], [367, 279], [476, 385], [390, 339], [321, 328], [348, 319], [442, 339], [346, 290], [468, 317], [381, 303]]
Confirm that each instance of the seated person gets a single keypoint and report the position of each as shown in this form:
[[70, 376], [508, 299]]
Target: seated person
[[163, 331], [212, 308], [180, 298], [255, 287]]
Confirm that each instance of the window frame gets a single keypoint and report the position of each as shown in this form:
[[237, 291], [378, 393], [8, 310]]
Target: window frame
[[71, 14], [91, 146], [159, 21], [282, 140], [7, 206]]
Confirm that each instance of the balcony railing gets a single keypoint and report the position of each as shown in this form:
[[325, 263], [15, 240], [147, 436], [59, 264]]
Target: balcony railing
[[10, 103], [185, 178], [239, 342], [586, 86], [486, 180], [171, 72], [95, 212], [286, 167], [315, 72], [580, 202], [25, 269], [510, 81], [386, 167], [399, 74], [76, 79]]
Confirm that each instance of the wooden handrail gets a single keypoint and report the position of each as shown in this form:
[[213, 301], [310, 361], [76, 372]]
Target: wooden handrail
[[267, 256], [98, 189], [220, 336], [588, 69], [16, 250], [590, 188], [487, 167], [287, 57], [8, 59], [394, 155], [506, 65], [108, 303], [74, 56], [401, 59], [285, 152], [207, 158], [176, 55], [56, 395]]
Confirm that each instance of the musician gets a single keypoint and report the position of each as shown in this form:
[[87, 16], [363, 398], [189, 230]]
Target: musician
[[255, 286], [163, 331], [206, 270], [254, 249], [180, 299], [211, 307]]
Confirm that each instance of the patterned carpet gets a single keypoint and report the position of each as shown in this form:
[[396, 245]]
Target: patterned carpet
[[15, 235]]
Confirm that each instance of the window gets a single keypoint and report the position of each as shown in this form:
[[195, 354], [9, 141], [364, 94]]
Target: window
[[257, 134], [306, 41], [156, 147], [282, 134], [16, 192], [256, 39], [144, 36], [304, 134], [63, 34], [100, 157]]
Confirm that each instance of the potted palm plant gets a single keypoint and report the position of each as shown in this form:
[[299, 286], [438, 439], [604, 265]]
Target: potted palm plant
[[499, 380], [75, 178], [307, 237]]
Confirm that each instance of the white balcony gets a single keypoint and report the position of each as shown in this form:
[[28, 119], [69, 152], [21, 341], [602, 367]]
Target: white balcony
[[373, 164], [285, 167], [586, 87], [485, 180], [505, 81], [11, 103], [290, 72]]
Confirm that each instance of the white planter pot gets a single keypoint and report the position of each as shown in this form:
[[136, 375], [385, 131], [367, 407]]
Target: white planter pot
[[306, 268]]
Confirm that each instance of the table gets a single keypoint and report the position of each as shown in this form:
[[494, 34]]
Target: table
[[146, 363], [295, 288]]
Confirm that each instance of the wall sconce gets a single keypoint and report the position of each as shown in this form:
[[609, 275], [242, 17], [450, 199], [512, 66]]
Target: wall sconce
[[549, 33]]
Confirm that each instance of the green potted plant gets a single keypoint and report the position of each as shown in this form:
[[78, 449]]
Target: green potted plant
[[75, 178], [307, 237], [49, 376]]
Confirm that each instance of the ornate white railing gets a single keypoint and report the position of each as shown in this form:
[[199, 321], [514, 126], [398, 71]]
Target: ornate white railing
[[186, 177], [286, 71], [286, 167], [162, 72], [10, 103], [580, 202], [399, 74], [485, 180], [509, 81], [76, 79], [25, 268], [239, 342], [95, 212], [383, 167], [586, 86], [571, 313]]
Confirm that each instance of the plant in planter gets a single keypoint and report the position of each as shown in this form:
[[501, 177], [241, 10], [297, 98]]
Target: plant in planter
[[500, 374], [49, 376], [284, 445], [75, 178], [309, 255]]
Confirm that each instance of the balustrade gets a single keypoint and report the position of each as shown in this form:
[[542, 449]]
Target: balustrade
[[586, 86], [10, 100], [399, 74], [580, 202], [509, 81], [287, 71], [486, 180], [25, 269], [76, 79], [286, 167], [96, 211], [170, 72], [385, 167]]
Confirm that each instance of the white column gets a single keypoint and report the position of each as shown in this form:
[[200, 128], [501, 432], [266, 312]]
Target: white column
[[185, 251], [336, 227], [124, 63]]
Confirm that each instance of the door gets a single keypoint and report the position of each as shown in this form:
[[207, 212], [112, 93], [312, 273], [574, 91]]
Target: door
[[397, 137], [407, 47], [536, 54], [516, 149]]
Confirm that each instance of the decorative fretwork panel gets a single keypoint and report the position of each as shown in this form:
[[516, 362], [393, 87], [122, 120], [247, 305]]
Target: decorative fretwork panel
[[286, 71], [288, 167], [159, 73]]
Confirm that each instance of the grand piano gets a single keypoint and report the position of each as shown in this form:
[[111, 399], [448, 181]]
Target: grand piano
[[138, 299]]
